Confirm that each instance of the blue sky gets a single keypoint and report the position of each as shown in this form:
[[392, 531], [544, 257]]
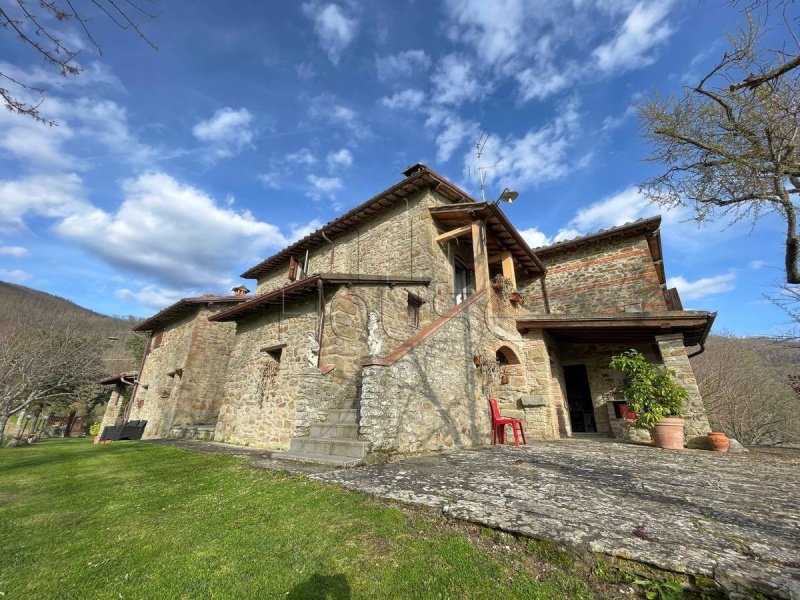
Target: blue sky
[[171, 172]]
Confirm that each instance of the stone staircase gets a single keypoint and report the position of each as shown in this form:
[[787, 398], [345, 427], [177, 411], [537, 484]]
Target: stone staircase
[[334, 441]]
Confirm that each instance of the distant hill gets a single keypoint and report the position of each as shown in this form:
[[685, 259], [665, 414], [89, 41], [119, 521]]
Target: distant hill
[[28, 309]]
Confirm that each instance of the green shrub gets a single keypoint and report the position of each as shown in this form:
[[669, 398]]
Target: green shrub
[[650, 392], [95, 429]]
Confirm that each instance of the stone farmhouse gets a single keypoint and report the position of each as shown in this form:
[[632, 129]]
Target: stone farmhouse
[[385, 331]]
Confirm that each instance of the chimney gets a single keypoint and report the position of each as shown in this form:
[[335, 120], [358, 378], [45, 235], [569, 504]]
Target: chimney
[[240, 290]]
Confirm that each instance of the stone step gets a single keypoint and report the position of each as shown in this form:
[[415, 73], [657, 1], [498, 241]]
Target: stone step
[[335, 430], [354, 449], [342, 415], [327, 459], [351, 404]]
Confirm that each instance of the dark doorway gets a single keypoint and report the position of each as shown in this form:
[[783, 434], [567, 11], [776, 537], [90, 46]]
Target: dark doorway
[[579, 398]]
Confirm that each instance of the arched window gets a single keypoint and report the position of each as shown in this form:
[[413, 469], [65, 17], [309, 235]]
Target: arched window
[[506, 356]]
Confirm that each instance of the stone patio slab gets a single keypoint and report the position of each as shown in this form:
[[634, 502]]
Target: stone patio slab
[[731, 517]]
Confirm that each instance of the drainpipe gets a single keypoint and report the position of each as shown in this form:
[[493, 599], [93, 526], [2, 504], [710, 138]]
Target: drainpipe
[[320, 317], [699, 352], [544, 295], [333, 248], [410, 242]]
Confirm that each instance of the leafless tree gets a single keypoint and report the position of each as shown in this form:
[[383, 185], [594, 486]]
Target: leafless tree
[[45, 28], [731, 144], [41, 365], [745, 397]]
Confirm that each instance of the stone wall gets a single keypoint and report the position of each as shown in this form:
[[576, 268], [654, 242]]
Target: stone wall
[[116, 405], [601, 277], [433, 397], [673, 355], [203, 377], [157, 391], [398, 242], [269, 400], [181, 380]]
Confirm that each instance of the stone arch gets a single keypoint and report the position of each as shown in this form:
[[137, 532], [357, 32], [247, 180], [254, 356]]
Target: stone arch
[[506, 356]]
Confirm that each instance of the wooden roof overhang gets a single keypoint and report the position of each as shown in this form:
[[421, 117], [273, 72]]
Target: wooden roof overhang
[[303, 287], [622, 327], [182, 308], [120, 379], [418, 177], [503, 236]]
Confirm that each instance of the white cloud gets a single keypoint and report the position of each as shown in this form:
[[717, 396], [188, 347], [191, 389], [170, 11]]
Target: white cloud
[[617, 209], [170, 231], [298, 232], [16, 275], [755, 265], [541, 46], [643, 29], [335, 29], [328, 109], [453, 132], [17, 251], [227, 131], [496, 29], [43, 195], [535, 238], [106, 122], [410, 99], [35, 143], [153, 296], [455, 81], [302, 157], [323, 186], [402, 64], [539, 156], [700, 288], [341, 158]]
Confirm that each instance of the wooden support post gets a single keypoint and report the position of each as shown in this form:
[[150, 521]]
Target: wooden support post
[[481, 256], [508, 269]]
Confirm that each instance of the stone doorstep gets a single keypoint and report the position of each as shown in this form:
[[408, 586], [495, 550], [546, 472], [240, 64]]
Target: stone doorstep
[[342, 415], [336, 430], [353, 449], [326, 459]]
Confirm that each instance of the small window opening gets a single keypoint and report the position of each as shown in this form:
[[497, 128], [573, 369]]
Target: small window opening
[[293, 267], [157, 339], [414, 305], [506, 356], [275, 352]]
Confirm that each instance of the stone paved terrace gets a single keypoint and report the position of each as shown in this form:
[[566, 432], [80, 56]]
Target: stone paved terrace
[[732, 517]]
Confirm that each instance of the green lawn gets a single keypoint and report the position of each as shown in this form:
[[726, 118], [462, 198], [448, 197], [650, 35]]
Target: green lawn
[[134, 520]]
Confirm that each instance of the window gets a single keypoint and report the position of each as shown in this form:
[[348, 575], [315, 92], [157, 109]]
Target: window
[[157, 339], [414, 304]]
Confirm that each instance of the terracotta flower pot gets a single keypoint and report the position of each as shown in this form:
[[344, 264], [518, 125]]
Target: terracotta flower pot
[[718, 441], [516, 297], [668, 433]]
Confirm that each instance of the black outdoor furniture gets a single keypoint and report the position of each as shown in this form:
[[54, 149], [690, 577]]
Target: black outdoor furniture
[[132, 430]]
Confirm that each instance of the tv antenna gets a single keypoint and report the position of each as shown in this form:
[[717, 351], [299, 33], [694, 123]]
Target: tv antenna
[[479, 169]]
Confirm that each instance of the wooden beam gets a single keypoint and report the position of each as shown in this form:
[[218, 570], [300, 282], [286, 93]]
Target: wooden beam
[[453, 233], [480, 255], [508, 269]]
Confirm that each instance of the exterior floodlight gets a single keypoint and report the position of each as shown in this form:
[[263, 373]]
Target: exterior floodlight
[[507, 196]]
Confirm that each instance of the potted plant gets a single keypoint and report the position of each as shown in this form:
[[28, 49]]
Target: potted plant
[[656, 399], [94, 431], [516, 297]]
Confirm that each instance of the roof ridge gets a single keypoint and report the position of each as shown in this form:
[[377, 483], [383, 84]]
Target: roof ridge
[[654, 220]]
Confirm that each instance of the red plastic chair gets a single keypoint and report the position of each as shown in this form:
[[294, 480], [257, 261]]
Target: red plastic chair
[[499, 426]]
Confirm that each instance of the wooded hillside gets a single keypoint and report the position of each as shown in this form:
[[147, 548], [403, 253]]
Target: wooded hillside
[[746, 389], [53, 352]]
